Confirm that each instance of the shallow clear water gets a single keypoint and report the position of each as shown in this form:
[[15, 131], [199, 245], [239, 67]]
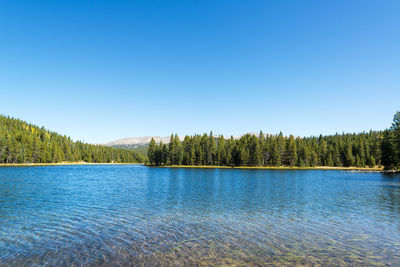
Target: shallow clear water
[[135, 215]]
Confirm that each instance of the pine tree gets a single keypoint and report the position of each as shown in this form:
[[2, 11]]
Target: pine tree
[[171, 150], [212, 150], [396, 135], [221, 153], [275, 154], [255, 151], [388, 148], [349, 158], [263, 150], [291, 151]]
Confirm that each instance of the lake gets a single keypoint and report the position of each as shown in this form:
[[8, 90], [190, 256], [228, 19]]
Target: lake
[[136, 215]]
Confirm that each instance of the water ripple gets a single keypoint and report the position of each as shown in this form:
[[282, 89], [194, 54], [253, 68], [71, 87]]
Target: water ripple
[[133, 215]]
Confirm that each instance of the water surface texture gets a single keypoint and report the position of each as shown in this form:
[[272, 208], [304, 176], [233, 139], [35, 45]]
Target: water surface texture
[[135, 215]]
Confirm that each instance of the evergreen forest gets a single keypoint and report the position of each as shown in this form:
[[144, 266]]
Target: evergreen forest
[[21, 142], [367, 149]]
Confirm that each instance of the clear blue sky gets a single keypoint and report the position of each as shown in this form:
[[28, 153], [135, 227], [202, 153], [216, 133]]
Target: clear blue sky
[[102, 70]]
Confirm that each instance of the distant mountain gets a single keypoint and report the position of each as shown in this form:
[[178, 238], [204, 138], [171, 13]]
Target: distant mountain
[[138, 142], [141, 142]]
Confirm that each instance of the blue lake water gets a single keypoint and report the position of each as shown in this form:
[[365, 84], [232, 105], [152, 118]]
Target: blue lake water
[[135, 215]]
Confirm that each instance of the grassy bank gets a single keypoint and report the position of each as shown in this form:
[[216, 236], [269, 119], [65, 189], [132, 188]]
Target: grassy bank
[[60, 164], [273, 168]]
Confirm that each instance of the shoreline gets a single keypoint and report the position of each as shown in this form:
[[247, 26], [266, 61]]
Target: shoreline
[[348, 169], [62, 164], [376, 169]]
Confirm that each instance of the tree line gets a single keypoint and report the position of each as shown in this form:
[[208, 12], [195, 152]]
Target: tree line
[[269, 150], [21, 142], [341, 150]]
